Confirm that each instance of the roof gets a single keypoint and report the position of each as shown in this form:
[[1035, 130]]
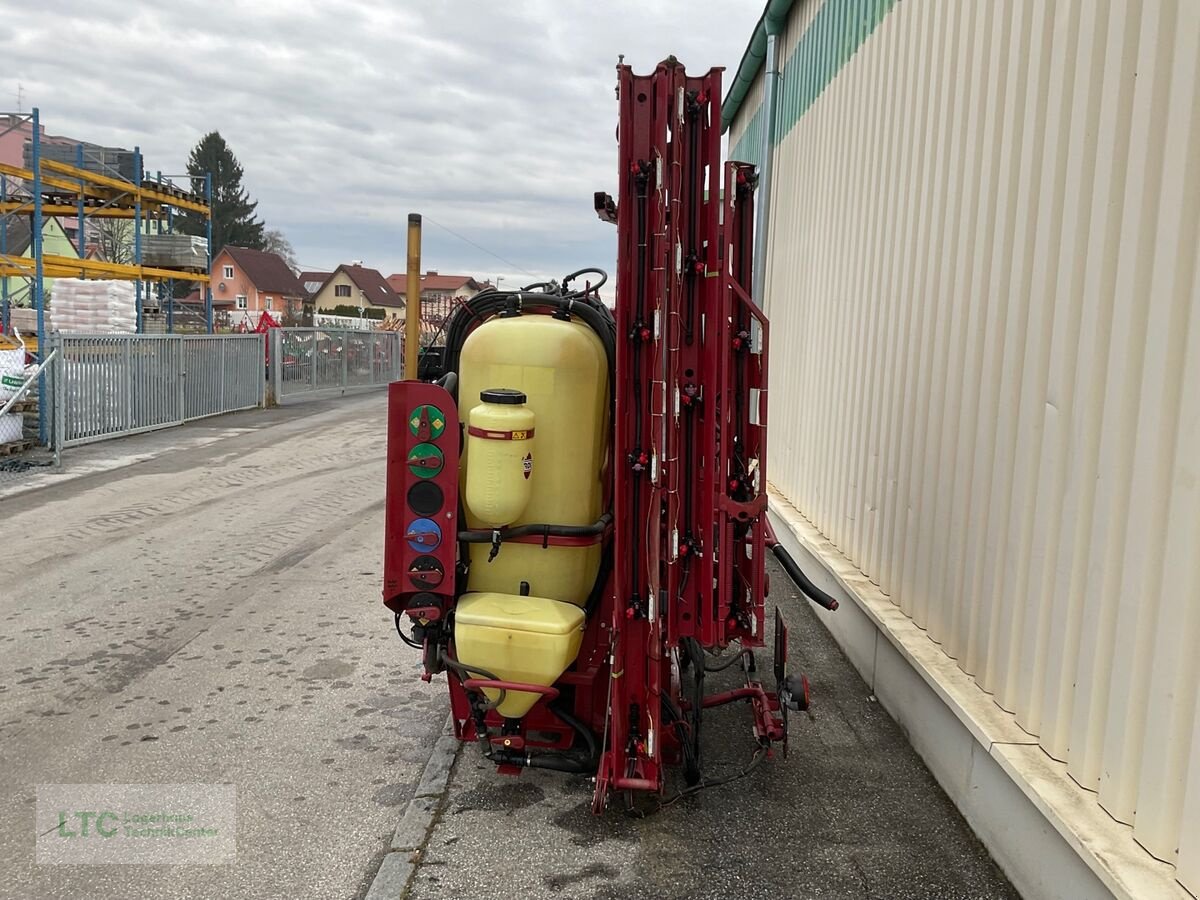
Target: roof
[[373, 285], [266, 270], [433, 281], [313, 281], [17, 237]]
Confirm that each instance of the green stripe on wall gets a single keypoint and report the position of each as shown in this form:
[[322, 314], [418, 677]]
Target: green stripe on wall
[[836, 32]]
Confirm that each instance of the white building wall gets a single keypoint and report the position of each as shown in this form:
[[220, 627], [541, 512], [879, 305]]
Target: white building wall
[[983, 264]]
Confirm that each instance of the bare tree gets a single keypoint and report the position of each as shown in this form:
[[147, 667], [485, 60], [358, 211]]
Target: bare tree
[[114, 238], [275, 242]]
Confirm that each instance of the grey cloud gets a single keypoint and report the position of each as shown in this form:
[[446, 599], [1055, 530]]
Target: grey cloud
[[495, 119]]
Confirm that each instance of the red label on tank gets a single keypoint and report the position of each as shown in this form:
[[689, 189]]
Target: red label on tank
[[527, 465]]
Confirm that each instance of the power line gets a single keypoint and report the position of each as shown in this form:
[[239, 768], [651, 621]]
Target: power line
[[507, 262]]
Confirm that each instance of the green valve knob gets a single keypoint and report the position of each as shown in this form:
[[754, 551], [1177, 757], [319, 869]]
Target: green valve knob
[[425, 461], [427, 423]]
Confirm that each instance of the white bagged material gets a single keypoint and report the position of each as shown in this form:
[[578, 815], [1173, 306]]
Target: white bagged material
[[94, 307], [12, 372], [12, 427]]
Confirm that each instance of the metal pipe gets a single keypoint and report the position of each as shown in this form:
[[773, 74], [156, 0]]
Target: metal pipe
[[765, 163], [80, 243], [170, 296], [28, 381], [412, 302], [39, 281], [137, 231], [499, 684], [3, 253], [208, 309], [773, 19]]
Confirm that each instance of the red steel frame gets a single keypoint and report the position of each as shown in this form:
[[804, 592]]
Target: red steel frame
[[689, 452], [690, 479]]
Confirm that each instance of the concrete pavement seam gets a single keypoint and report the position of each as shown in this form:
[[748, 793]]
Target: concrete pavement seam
[[399, 865]]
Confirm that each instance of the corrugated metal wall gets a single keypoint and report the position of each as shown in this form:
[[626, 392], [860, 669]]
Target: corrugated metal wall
[[983, 263]]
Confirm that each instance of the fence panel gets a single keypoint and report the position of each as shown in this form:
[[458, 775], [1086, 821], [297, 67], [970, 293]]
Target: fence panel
[[116, 385], [312, 360], [222, 373]]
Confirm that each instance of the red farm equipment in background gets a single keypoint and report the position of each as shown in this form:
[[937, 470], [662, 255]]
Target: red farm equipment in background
[[576, 508]]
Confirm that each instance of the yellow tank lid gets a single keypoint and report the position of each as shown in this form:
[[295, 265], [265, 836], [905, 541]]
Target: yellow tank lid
[[516, 613]]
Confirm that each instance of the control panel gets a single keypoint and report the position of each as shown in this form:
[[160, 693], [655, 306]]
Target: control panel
[[422, 500]]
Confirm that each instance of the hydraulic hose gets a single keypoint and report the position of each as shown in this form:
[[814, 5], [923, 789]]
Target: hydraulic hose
[[558, 763], [487, 536], [810, 590], [465, 672], [567, 279], [449, 381], [486, 304], [582, 730]]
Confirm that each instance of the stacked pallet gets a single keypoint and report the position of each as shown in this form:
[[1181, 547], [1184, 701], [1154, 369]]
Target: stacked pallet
[[175, 251], [115, 162], [24, 320], [94, 307]]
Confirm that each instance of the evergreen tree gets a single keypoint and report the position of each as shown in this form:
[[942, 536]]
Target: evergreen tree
[[233, 219]]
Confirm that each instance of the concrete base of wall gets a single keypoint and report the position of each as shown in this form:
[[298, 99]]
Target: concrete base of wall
[[1050, 836]]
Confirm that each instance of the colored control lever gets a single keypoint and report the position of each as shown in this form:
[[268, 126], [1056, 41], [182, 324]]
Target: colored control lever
[[425, 462], [423, 427], [428, 538]]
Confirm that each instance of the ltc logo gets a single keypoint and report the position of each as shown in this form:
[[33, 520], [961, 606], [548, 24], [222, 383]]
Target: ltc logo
[[89, 823]]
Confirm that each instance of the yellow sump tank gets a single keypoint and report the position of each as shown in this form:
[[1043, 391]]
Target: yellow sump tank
[[500, 438], [561, 368], [527, 639]]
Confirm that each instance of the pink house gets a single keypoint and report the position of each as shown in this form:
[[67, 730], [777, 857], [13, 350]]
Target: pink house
[[251, 282]]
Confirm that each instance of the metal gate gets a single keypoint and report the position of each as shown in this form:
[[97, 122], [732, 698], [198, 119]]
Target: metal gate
[[311, 360], [114, 385]]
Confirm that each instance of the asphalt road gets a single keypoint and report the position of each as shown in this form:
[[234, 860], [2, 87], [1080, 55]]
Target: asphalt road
[[851, 813], [212, 616]]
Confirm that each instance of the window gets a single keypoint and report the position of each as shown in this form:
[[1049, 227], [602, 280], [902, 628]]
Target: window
[[341, 290], [241, 301], [229, 271], [269, 303]]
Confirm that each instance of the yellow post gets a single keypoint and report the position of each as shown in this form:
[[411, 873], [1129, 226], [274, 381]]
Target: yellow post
[[412, 299]]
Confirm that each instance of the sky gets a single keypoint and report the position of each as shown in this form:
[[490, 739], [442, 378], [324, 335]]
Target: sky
[[494, 120]]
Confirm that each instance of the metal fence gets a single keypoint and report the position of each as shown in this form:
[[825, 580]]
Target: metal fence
[[113, 385], [309, 360]]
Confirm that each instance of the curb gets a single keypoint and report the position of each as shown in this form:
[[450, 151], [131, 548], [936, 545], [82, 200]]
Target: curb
[[399, 865]]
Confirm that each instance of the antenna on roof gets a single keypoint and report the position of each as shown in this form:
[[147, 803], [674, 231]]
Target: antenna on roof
[[20, 98]]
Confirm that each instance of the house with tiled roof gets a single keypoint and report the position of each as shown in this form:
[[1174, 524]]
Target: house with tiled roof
[[313, 281], [251, 282], [435, 286], [361, 287], [15, 244]]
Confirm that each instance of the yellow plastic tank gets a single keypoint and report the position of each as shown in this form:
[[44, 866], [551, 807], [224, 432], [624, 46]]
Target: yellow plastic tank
[[527, 639], [561, 368], [500, 436]]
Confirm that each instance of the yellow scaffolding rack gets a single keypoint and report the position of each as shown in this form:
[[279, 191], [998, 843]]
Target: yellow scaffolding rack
[[61, 190]]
